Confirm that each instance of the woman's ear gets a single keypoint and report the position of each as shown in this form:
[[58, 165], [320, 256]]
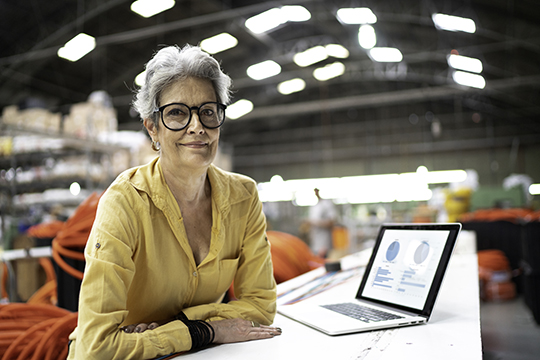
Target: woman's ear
[[151, 128]]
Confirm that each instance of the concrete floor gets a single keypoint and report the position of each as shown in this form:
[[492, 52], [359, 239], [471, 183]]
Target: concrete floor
[[509, 331]]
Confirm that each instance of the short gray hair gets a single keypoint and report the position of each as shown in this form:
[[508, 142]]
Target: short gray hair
[[173, 63]]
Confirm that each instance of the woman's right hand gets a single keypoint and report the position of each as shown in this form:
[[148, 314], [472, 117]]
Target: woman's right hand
[[238, 330]]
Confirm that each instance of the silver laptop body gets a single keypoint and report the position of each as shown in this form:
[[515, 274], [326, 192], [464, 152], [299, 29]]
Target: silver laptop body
[[402, 278]]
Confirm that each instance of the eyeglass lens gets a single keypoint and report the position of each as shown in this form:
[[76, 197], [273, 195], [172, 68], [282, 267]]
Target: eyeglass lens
[[177, 116]]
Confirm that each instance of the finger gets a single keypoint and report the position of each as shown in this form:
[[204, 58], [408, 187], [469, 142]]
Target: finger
[[141, 328], [129, 329], [153, 325], [266, 331]]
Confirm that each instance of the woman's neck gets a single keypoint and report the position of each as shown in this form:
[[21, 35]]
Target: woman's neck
[[188, 187]]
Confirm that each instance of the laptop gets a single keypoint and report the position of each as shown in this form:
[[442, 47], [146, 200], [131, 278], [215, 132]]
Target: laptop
[[399, 286]]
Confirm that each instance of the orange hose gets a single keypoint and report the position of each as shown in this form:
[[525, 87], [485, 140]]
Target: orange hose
[[4, 281], [22, 341], [56, 338], [48, 267], [71, 239]]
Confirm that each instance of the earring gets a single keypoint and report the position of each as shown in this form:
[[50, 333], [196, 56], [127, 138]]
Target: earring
[[156, 146]]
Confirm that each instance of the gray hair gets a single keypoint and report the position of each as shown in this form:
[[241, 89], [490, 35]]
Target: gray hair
[[173, 63]]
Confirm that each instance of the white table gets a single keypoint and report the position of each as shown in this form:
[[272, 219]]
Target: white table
[[453, 331]]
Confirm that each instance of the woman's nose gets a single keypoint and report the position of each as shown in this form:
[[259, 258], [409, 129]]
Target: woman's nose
[[195, 125]]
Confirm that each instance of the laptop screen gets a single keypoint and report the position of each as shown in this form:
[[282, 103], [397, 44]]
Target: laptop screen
[[405, 263]]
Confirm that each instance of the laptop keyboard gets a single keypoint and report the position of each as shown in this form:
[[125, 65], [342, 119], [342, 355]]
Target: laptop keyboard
[[362, 313]]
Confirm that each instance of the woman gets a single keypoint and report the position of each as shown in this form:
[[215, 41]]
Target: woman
[[171, 236]]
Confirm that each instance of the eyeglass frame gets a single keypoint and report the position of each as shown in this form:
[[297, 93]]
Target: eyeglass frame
[[160, 110]]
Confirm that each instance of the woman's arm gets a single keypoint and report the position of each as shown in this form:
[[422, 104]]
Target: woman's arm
[[109, 272], [254, 284]]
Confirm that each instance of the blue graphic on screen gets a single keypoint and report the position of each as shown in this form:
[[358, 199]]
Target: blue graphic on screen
[[381, 278], [392, 251], [421, 253], [404, 272]]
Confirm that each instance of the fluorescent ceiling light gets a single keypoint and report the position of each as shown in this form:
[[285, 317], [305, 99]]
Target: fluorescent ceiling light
[[219, 43], [337, 51], [367, 37], [385, 54], [140, 79], [75, 188], [465, 63], [310, 56], [468, 79], [239, 109], [77, 47], [329, 71], [534, 189], [453, 23], [291, 86], [274, 17], [295, 13], [356, 16], [359, 189], [263, 70], [148, 8], [264, 21]]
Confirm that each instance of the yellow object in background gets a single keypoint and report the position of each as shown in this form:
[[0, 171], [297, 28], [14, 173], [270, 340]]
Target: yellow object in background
[[457, 203], [340, 238], [6, 143]]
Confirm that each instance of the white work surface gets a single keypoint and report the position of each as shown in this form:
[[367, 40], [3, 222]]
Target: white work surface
[[453, 331]]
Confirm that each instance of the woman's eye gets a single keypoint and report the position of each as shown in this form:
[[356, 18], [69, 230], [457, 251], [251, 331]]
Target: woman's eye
[[208, 112], [175, 112]]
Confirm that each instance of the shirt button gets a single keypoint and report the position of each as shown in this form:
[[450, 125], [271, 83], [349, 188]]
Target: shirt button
[[194, 273]]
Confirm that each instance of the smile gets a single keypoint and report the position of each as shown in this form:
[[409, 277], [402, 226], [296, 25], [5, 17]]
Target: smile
[[195, 144]]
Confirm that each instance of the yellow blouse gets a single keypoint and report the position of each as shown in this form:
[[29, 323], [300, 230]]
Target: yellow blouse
[[140, 267]]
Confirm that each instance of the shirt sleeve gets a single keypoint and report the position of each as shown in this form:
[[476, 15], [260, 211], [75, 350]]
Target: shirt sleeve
[[254, 284], [108, 274]]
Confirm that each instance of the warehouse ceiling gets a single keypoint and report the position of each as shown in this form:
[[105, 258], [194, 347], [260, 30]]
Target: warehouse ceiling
[[373, 110]]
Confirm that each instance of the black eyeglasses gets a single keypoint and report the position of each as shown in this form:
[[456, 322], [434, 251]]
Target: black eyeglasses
[[177, 116]]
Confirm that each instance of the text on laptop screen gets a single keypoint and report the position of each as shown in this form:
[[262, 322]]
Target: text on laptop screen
[[404, 267]]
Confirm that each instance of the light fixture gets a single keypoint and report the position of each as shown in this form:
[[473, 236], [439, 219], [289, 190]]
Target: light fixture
[[310, 56], [361, 15], [329, 71], [148, 8], [295, 13], [453, 23], [363, 189], [534, 189], [465, 63], [77, 47], [218, 43], [274, 17], [263, 70], [385, 54], [337, 51], [367, 37], [239, 109], [75, 188], [291, 86], [140, 79], [468, 79]]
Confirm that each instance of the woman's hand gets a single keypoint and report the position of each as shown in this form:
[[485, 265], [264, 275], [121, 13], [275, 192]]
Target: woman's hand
[[237, 330], [226, 331]]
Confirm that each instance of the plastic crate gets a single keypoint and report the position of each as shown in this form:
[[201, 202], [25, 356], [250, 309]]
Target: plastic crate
[[501, 235], [531, 290], [531, 244]]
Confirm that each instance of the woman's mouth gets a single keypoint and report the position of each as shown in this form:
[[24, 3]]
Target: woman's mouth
[[195, 144]]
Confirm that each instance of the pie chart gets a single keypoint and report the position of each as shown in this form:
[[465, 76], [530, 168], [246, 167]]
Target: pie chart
[[421, 253], [392, 251]]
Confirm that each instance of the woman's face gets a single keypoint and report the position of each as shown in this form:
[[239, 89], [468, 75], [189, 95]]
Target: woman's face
[[192, 147]]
